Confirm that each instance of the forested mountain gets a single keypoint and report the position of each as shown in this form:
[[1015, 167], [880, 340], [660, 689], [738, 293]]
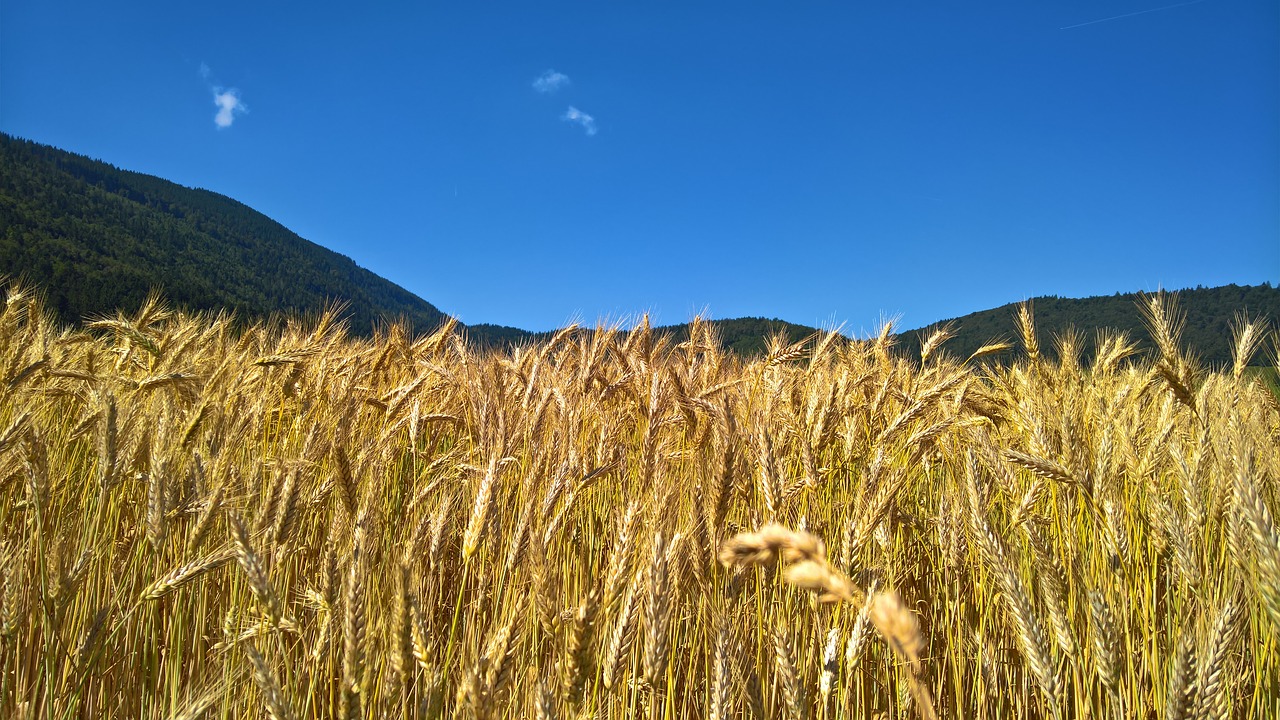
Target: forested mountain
[[1207, 331], [1209, 314], [94, 238]]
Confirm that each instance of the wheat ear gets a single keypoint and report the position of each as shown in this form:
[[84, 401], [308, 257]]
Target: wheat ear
[[794, 704], [273, 696], [657, 613], [257, 574]]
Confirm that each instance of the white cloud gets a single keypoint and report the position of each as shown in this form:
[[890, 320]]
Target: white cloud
[[550, 81], [204, 70], [229, 105], [574, 115]]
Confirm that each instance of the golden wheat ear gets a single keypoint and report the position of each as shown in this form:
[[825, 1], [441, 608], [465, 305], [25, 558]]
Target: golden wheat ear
[[809, 570]]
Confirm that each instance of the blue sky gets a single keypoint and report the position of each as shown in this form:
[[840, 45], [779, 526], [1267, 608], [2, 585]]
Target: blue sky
[[822, 162]]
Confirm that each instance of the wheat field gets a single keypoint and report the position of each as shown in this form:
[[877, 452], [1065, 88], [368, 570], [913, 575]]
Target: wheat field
[[202, 519]]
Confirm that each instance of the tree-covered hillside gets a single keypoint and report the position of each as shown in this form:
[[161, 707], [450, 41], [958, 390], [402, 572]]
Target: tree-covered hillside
[[96, 239], [1209, 315]]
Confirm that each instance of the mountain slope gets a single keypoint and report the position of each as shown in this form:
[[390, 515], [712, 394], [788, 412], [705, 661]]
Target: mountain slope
[[95, 238], [1209, 314]]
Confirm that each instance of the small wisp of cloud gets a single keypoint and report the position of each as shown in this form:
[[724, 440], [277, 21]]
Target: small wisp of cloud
[[574, 115], [229, 105], [226, 99], [1132, 14], [550, 81]]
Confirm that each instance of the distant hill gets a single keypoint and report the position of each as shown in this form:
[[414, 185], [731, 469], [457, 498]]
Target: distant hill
[[746, 336], [95, 238], [1209, 314]]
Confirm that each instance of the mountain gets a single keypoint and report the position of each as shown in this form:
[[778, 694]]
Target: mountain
[[1209, 316], [95, 238], [1207, 332]]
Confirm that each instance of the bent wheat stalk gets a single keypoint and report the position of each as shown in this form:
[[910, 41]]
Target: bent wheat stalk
[[809, 570]]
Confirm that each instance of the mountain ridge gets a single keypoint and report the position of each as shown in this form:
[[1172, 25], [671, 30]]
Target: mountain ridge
[[96, 238]]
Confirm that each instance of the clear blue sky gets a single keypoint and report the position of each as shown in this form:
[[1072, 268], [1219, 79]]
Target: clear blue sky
[[817, 161]]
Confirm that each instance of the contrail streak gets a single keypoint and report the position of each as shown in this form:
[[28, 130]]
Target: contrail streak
[[1140, 12]]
